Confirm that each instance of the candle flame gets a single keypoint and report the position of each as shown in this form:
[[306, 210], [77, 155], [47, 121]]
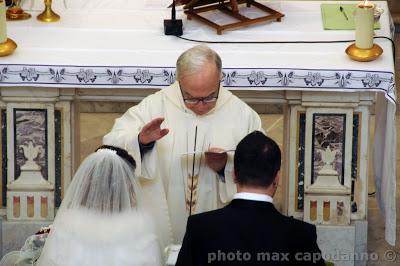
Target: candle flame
[[366, 4]]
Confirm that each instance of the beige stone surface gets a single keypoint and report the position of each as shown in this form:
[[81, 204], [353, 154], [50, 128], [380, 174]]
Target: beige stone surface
[[93, 126], [273, 127]]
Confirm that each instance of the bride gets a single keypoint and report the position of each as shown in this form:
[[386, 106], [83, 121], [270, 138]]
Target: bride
[[101, 220]]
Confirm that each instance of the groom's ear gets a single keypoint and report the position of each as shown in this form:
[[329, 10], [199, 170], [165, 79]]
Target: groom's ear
[[234, 175], [278, 176]]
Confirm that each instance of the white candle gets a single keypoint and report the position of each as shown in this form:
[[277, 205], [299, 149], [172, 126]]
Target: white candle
[[3, 25], [364, 20]]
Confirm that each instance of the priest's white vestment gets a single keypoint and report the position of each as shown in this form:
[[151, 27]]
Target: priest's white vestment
[[175, 177]]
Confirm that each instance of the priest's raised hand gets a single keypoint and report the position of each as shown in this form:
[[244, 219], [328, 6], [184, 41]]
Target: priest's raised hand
[[152, 131]]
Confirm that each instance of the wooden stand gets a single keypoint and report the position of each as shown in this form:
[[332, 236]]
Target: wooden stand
[[231, 8]]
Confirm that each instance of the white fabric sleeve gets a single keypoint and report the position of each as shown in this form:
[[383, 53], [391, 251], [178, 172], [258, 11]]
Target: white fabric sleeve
[[126, 129]]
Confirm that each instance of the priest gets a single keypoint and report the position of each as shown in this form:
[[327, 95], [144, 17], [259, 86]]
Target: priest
[[185, 135]]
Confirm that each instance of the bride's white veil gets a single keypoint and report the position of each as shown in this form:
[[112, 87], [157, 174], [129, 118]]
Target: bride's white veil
[[100, 220], [104, 183]]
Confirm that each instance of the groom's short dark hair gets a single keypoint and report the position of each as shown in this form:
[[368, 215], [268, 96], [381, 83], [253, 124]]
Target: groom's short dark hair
[[257, 160]]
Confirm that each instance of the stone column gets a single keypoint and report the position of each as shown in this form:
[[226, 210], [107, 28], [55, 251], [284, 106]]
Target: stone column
[[326, 161], [36, 156]]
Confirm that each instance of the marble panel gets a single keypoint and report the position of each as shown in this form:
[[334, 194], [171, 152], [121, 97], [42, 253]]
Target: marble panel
[[328, 127], [30, 125], [328, 131], [30, 122]]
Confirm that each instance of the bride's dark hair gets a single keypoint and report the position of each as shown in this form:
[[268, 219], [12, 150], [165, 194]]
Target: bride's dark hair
[[121, 153]]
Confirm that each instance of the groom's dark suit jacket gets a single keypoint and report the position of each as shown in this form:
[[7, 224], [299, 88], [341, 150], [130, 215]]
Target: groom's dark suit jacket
[[248, 232]]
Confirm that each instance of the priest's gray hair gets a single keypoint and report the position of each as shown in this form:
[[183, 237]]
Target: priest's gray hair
[[193, 59]]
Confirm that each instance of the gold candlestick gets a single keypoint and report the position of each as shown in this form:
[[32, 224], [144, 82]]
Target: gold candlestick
[[7, 46], [15, 11], [48, 15]]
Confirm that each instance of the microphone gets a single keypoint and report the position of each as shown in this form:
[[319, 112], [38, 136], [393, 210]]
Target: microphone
[[173, 11], [173, 26]]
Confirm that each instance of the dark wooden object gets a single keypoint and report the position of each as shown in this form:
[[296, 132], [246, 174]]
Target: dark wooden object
[[194, 8]]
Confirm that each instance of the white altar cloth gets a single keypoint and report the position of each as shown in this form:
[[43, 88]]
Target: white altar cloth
[[127, 48], [114, 44]]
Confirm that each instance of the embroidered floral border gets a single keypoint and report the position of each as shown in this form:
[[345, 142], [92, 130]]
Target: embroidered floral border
[[148, 77]]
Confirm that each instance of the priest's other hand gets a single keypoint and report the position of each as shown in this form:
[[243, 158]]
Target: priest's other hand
[[152, 131], [216, 158]]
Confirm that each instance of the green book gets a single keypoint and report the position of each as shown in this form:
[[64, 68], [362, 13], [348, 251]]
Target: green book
[[340, 17]]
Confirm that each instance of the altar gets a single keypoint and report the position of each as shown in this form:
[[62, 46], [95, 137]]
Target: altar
[[116, 53]]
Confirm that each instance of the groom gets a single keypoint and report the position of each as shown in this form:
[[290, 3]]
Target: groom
[[250, 231]]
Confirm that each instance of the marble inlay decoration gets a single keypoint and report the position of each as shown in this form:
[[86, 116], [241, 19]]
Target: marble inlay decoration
[[44, 206], [58, 153], [326, 210], [328, 130], [300, 162], [313, 210], [4, 156], [340, 211], [30, 125], [17, 206], [354, 157], [31, 206]]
